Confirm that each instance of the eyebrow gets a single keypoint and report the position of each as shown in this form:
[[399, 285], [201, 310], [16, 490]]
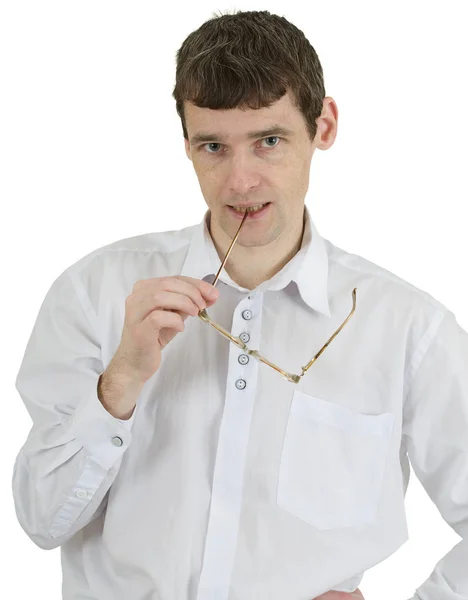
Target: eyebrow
[[215, 137]]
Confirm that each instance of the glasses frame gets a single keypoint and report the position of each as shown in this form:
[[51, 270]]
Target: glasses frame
[[291, 377]]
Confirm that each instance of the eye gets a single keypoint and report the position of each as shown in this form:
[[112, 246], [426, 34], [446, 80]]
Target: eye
[[274, 137], [210, 144]]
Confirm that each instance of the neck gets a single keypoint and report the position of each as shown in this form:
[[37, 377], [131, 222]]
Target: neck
[[249, 266]]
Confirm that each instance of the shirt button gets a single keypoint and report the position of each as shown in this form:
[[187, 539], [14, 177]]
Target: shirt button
[[117, 441], [81, 493], [247, 314], [243, 359], [245, 337], [240, 384]]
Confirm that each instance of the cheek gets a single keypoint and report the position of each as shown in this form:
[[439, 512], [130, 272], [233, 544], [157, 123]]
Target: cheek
[[291, 175], [209, 182], [291, 182], [302, 170], [206, 171]]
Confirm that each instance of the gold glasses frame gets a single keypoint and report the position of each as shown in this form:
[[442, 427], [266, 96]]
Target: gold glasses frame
[[204, 316]]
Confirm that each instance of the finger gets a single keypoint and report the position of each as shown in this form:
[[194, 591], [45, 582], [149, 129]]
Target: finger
[[139, 307], [208, 290], [196, 289], [159, 319]]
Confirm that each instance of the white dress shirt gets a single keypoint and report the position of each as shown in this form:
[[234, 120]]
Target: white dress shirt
[[229, 482]]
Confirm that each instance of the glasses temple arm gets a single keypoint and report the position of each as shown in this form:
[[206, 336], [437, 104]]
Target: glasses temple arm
[[229, 251]]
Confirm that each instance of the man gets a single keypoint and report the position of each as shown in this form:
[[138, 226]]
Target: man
[[171, 463]]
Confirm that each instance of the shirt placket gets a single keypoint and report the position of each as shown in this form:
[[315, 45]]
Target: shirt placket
[[228, 478]]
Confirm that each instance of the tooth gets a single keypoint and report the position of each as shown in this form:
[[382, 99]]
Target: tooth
[[251, 209]]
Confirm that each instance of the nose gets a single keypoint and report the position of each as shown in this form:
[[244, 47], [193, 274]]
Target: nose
[[242, 175]]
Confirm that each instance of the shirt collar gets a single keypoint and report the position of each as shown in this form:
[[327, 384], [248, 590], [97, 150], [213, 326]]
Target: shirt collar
[[308, 268]]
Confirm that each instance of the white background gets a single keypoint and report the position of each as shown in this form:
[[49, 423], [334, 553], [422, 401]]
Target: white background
[[92, 151]]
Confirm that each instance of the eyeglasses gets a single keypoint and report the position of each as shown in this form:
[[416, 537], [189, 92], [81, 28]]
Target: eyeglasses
[[240, 344]]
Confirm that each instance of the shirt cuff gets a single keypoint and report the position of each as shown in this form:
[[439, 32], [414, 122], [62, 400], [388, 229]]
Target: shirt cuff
[[104, 436]]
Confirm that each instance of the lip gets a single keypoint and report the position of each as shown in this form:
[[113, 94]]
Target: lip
[[255, 215]]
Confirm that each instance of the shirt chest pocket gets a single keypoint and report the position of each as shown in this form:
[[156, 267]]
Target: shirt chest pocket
[[332, 463]]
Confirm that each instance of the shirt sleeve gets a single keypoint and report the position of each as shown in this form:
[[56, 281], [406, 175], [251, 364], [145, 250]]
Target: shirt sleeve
[[74, 449], [435, 434]]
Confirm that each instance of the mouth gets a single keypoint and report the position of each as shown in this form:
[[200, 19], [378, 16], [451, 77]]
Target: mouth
[[255, 211]]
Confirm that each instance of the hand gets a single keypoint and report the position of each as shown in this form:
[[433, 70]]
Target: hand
[[334, 595], [155, 312]]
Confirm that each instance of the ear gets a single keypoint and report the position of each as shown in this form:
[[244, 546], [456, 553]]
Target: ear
[[327, 124], [187, 149]]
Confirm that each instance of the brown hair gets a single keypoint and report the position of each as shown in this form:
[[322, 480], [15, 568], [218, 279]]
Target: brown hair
[[249, 59]]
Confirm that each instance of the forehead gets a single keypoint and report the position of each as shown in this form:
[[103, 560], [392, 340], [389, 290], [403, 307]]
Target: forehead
[[235, 123]]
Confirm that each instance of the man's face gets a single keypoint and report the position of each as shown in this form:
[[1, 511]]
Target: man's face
[[234, 168]]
